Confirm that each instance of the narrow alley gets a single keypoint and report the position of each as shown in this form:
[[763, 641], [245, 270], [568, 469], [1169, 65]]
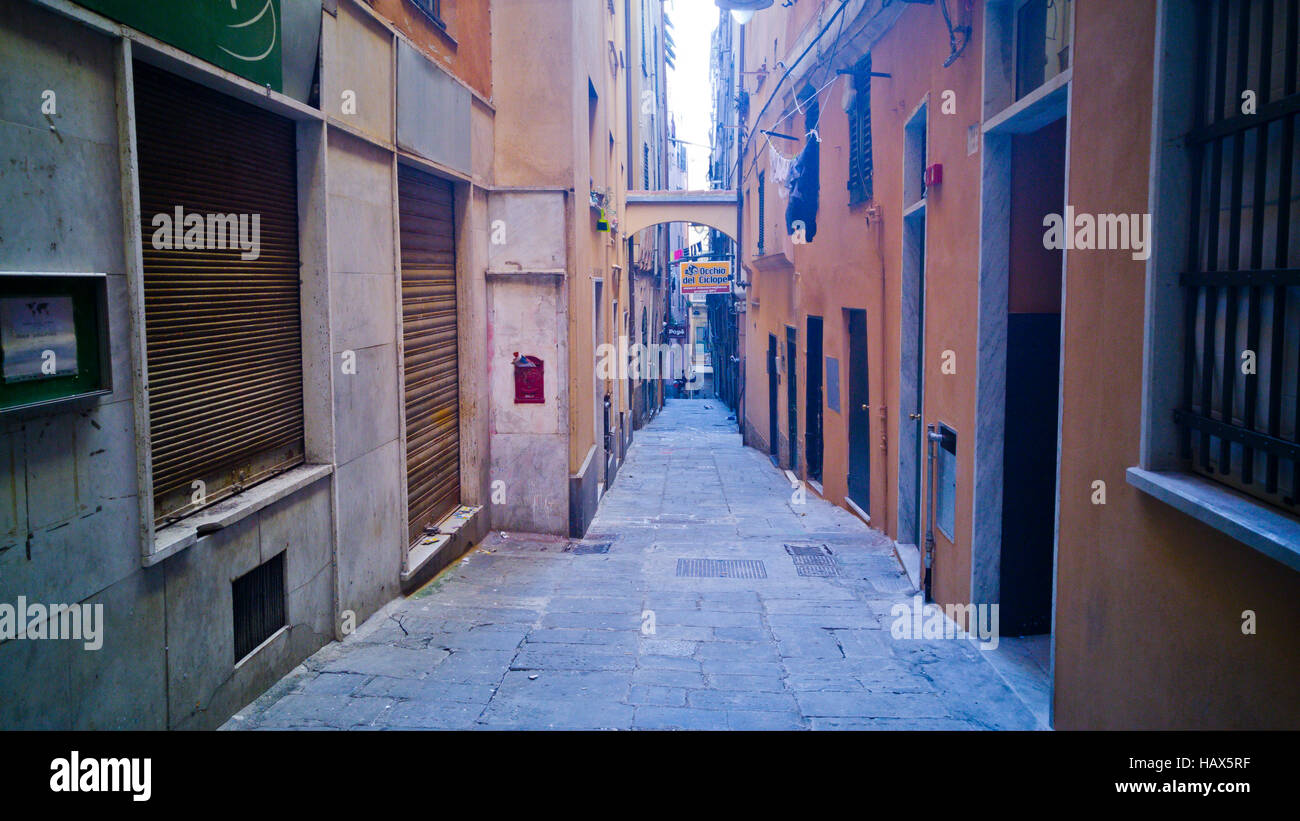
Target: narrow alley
[[650, 364], [637, 627]]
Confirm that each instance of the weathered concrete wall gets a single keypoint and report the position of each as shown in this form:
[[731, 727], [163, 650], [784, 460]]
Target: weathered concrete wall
[[204, 686], [527, 304], [472, 254], [70, 501], [366, 403], [432, 110], [358, 55], [68, 491]]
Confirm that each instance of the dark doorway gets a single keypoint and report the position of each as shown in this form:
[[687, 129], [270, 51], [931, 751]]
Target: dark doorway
[[813, 381], [792, 396], [1032, 384], [859, 412], [772, 379], [1029, 473]]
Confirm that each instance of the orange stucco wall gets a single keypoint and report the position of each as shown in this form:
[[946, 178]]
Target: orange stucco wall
[[462, 47], [842, 267], [1149, 601]]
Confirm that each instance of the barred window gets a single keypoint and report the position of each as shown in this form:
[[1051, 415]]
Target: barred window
[[762, 216], [859, 114], [1238, 416]]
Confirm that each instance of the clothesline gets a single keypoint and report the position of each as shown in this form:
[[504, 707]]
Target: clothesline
[[787, 115]]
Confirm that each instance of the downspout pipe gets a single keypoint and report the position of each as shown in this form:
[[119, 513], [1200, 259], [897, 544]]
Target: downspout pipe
[[739, 245], [627, 103], [932, 438]]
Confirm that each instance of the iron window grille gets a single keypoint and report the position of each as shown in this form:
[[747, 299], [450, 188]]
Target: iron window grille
[[1239, 424], [258, 604], [859, 114], [762, 215]]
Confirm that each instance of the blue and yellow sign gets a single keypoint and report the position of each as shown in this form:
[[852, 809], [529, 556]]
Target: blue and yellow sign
[[706, 277]]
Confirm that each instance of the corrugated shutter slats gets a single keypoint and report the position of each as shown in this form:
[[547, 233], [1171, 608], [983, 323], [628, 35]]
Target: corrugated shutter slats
[[223, 334], [427, 220]]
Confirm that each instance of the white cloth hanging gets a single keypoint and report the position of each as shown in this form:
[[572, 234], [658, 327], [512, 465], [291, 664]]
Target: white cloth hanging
[[780, 168]]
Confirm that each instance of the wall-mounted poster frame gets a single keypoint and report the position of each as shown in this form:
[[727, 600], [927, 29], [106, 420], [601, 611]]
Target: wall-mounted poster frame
[[54, 342]]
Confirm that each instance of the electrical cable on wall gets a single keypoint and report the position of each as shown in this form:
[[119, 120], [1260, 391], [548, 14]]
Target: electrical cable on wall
[[772, 96], [952, 34]]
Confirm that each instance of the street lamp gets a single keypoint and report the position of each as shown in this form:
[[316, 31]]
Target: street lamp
[[743, 10]]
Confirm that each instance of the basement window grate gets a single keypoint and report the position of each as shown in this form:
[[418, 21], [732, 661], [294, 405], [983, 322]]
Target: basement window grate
[[721, 569], [258, 598]]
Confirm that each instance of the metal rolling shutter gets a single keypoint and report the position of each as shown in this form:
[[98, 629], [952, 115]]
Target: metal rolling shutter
[[223, 333], [429, 342]]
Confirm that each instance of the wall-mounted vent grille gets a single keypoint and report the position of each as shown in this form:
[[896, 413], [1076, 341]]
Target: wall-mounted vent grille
[[258, 604]]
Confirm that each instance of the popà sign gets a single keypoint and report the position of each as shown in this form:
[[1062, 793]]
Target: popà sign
[[706, 277]]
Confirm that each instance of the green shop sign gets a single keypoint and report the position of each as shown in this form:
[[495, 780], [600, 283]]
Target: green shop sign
[[241, 36]]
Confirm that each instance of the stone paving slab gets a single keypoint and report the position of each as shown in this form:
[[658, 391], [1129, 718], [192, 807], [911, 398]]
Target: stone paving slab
[[525, 633]]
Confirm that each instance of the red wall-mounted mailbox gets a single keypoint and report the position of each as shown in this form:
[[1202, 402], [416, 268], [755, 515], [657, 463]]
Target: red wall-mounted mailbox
[[529, 380]]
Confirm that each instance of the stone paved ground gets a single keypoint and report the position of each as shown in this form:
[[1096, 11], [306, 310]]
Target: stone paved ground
[[524, 634]]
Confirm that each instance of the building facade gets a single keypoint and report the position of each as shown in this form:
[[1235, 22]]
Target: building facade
[[320, 314], [1047, 421]]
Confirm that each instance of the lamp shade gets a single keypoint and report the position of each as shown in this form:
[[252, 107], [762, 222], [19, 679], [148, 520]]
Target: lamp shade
[[743, 10]]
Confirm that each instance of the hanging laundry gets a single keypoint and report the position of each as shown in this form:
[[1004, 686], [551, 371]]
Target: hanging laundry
[[780, 168], [805, 185]]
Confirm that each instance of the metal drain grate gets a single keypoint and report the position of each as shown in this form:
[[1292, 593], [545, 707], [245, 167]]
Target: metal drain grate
[[816, 566], [721, 568], [805, 550], [588, 548]]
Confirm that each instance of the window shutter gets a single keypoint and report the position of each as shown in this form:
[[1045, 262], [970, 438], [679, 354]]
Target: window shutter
[[859, 114], [430, 347], [223, 334]]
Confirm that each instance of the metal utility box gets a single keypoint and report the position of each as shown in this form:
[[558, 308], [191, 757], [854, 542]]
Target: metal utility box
[[530, 378], [54, 340]]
